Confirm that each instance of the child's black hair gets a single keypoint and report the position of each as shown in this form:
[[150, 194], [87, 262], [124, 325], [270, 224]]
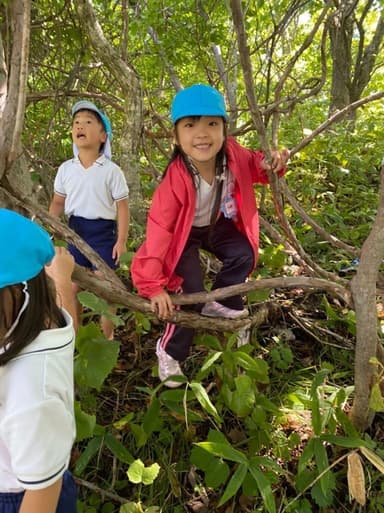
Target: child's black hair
[[41, 313]]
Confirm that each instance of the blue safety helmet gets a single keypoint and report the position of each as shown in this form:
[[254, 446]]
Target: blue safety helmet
[[198, 100], [26, 248]]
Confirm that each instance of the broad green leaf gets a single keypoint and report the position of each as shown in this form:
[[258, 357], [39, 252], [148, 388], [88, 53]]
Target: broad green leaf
[[203, 398], [203, 459], [85, 423], [243, 397], [93, 302], [95, 360], [224, 451], [235, 483], [216, 473], [98, 306], [139, 473]]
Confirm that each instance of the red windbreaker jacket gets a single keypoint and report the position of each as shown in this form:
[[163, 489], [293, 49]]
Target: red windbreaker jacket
[[171, 215]]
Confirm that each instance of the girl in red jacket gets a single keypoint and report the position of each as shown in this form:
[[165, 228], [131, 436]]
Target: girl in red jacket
[[204, 201]]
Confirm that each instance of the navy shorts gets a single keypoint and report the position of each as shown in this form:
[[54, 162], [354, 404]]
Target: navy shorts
[[11, 502], [100, 234]]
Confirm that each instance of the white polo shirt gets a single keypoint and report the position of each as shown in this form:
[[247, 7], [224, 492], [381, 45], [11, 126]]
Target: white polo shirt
[[91, 192], [37, 426]]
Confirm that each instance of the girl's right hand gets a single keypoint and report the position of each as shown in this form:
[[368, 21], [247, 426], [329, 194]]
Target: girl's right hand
[[62, 265], [162, 305]]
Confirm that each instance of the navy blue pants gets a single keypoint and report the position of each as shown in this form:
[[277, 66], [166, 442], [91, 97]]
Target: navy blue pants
[[235, 252], [11, 502], [100, 234]]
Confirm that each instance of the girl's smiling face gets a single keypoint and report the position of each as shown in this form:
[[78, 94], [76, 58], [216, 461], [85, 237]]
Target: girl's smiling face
[[201, 138]]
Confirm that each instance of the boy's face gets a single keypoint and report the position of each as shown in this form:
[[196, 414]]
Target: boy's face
[[87, 130]]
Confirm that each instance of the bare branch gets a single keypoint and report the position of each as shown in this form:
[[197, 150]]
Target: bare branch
[[336, 116]]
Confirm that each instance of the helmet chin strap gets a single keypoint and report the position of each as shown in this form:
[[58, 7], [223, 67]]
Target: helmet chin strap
[[22, 310]]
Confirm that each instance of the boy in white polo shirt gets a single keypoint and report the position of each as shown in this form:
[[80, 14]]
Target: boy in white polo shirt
[[37, 426], [92, 192]]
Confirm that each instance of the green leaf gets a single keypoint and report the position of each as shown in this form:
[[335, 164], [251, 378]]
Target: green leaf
[[91, 449], [243, 397], [258, 296], [235, 483], [343, 441], [203, 398], [322, 463], [131, 507], [322, 490], [95, 359], [264, 486], [258, 366], [210, 361], [152, 420], [376, 401], [224, 451], [118, 449], [216, 473], [85, 423], [93, 302], [138, 473]]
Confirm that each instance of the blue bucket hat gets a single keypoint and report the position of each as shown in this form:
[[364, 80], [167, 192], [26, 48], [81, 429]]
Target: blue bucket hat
[[26, 248], [198, 100], [87, 105]]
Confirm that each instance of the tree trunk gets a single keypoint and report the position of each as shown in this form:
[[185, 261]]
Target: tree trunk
[[131, 90], [13, 99], [363, 289], [352, 71], [340, 33]]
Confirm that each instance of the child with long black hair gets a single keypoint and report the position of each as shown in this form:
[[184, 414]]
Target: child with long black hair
[[37, 426], [204, 201]]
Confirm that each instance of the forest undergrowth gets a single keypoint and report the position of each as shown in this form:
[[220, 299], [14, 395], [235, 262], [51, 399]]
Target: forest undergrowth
[[258, 428]]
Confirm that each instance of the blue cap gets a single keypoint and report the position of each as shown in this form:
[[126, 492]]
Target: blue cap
[[25, 250], [198, 100], [87, 105]]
